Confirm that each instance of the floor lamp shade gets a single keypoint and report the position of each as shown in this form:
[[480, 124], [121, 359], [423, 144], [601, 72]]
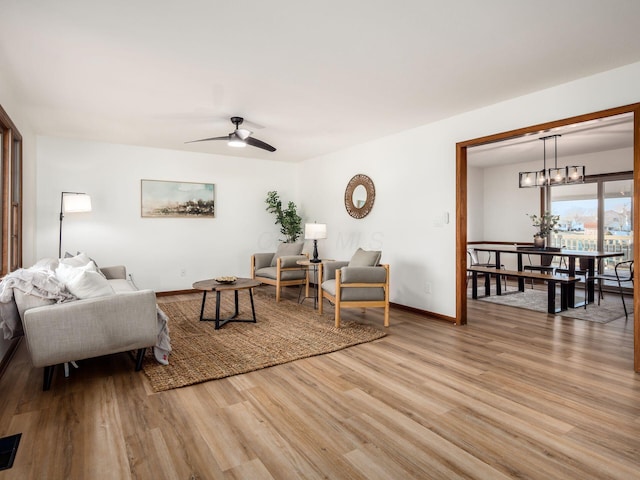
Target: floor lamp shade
[[315, 232], [72, 202], [76, 203]]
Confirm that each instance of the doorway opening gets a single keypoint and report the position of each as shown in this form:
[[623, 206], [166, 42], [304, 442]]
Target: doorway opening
[[462, 198]]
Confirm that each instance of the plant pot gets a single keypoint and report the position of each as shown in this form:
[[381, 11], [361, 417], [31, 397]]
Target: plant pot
[[538, 241]]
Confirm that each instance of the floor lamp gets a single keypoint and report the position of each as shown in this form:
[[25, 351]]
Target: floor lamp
[[72, 202], [315, 232]]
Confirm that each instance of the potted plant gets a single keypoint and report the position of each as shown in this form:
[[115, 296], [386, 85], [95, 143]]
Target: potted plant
[[289, 220], [545, 223]]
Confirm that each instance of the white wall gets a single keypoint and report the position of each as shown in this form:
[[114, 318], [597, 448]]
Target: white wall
[[161, 254], [414, 174], [475, 204]]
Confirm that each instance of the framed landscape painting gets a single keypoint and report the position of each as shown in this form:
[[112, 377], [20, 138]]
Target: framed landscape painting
[[160, 198]]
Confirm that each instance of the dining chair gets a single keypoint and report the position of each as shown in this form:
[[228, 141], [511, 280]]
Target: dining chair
[[623, 273], [545, 265], [474, 261]]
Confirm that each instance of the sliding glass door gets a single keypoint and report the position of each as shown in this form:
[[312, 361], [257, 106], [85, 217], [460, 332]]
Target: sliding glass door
[[596, 215]]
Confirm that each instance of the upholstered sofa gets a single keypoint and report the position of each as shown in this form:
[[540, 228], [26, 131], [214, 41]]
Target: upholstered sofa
[[119, 318]]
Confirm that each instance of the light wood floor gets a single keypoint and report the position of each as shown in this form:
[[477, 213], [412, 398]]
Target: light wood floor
[[514, 394]]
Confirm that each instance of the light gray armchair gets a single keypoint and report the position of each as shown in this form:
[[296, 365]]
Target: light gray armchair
[[360, 283], [281, 268]]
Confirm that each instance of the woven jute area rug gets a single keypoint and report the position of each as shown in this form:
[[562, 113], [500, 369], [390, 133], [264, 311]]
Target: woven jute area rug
[[284, 332]]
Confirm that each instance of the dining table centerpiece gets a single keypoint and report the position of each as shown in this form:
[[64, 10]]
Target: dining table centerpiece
[[545, 224]]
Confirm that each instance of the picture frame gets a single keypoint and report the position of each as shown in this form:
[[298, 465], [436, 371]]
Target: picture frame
[[171, 199]]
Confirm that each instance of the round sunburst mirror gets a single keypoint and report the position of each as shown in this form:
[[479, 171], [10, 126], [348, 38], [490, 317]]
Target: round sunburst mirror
[[359, 196]]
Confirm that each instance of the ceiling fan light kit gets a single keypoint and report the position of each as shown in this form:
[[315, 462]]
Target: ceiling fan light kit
[[552, 176], [240, 137], [236, 141]]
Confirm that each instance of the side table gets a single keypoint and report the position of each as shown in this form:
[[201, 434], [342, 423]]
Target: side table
[[314, 267]]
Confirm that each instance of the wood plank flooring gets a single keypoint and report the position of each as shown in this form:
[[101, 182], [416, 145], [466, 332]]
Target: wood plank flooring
[[513, 394]]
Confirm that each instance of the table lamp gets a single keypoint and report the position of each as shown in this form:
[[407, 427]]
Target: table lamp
[[315, 232]]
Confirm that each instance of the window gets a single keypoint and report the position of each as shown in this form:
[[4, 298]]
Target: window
[[10, 194]]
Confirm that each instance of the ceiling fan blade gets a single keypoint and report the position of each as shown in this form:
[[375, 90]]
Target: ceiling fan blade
[[226, 137], [243, 133], [254, 142]]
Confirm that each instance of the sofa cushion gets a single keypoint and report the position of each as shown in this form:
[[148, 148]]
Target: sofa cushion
[[285, 250], [121, 285], [84, 281], [365, 258], [363, 275], [25, 301]]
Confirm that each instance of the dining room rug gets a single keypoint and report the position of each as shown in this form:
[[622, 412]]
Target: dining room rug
[[609, 309], [284, 332]]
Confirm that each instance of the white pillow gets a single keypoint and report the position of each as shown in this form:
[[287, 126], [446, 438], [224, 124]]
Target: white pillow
[[85, 281], [45, 264], [79, 260]]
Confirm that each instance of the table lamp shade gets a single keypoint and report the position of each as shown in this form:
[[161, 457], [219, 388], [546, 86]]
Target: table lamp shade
[[315, 231]]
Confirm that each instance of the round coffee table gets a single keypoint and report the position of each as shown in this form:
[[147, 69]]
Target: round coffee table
[[211, 285]]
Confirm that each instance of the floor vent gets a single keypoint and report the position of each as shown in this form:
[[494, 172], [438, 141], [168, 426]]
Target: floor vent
[[8, 449]]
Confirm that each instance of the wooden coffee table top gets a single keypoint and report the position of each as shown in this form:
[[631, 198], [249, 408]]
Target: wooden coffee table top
[[212, 285]]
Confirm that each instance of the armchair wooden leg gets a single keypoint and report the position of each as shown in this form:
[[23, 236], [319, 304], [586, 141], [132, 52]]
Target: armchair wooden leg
[[320, 302], [386, 315], [337, 314]]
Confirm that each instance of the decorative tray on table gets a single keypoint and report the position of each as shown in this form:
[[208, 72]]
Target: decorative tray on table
[[226, 280]]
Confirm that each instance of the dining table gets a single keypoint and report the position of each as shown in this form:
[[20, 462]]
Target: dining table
[[571, 255]]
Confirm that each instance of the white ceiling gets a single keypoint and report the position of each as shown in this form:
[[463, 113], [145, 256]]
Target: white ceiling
[[316, 76]]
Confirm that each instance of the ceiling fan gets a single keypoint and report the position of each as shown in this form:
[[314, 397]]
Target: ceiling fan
[[240, 137]]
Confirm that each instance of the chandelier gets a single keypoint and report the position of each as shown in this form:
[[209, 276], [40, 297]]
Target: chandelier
[[552, 176]]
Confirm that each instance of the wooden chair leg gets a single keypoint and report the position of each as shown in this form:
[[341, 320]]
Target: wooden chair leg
[[337, 314]]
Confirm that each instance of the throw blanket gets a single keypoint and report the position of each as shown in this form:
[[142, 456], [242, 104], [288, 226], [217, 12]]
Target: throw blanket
[[37, 281]]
